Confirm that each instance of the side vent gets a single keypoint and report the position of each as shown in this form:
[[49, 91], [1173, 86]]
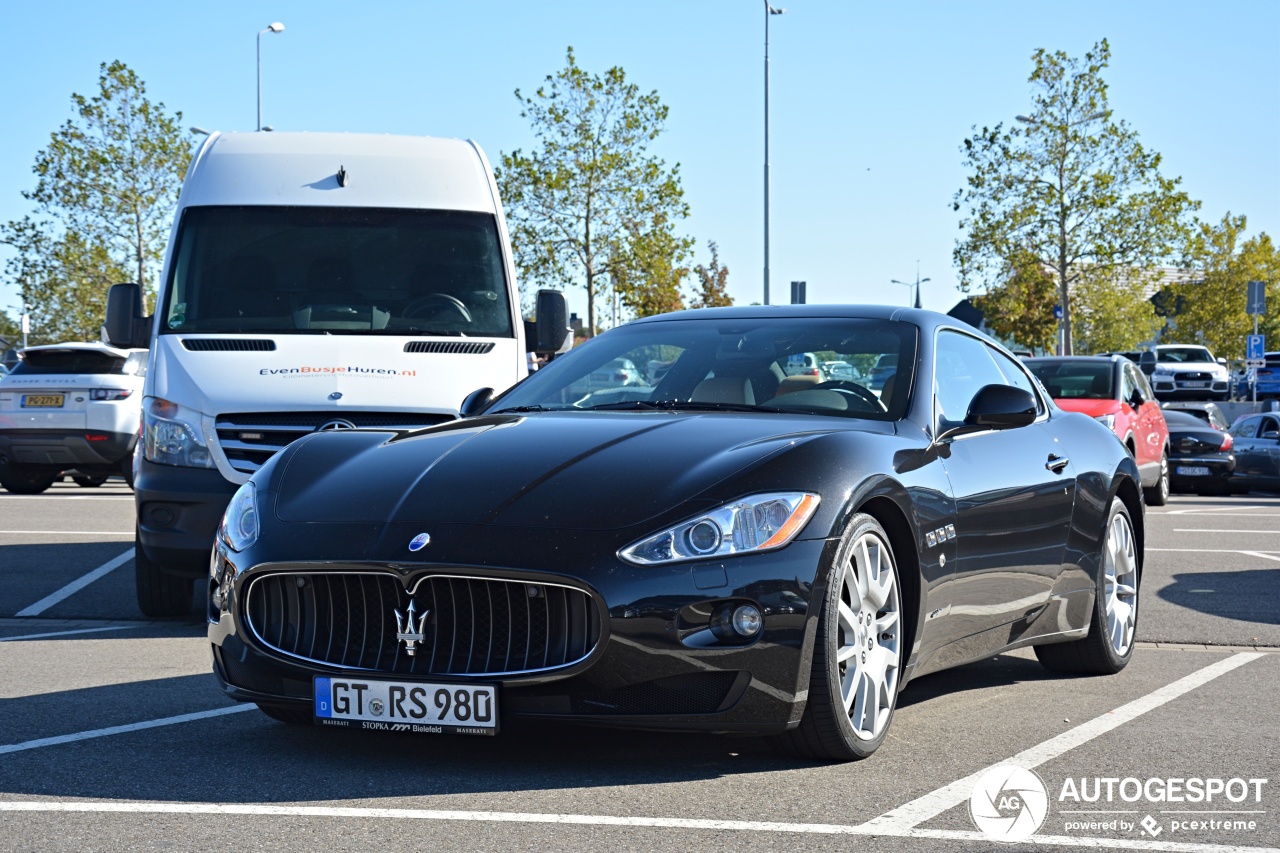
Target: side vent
[[450, 347], [228, 344]]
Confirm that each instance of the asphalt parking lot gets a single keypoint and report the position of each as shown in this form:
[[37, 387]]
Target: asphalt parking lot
[[114, 736]]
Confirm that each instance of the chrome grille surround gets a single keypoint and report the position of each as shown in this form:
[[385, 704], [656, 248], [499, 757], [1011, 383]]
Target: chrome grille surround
[[477, 627]]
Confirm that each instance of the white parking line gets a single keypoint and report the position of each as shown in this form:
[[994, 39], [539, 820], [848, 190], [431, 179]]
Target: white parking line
[[73, 532], [1218, 530], [118, 730], [79, 806], [1212, 551], [76, 585], [1262, 555], [64, 633], [949, 796], [60, 497]]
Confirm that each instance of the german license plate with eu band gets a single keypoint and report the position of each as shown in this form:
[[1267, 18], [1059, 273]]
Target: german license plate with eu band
[[406, 706]]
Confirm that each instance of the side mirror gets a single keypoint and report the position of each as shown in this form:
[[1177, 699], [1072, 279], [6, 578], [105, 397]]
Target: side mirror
[[551, 332], [1222, 361], [126, 326], [1001, 407], [476, 402]]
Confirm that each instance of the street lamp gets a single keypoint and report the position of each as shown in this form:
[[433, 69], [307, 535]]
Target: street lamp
[[769, 11], [277, 27], [919, 281], [200, 130]]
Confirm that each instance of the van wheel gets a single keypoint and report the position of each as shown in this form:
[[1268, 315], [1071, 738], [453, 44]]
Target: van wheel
[[160, 594], [126, 469], [26, 479]]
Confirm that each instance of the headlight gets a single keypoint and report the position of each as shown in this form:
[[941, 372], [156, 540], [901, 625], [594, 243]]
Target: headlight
[[1162, 370], [1108, 421], [239, 528], [756, 523], [172, 435]]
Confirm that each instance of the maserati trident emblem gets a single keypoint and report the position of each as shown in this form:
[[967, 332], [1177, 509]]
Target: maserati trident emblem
[[419, 542], [405, 632]]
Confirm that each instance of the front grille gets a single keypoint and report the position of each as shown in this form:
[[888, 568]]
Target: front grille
[[474, 627], [251, 438], [450, 347], [229, 344], [1195, 377]]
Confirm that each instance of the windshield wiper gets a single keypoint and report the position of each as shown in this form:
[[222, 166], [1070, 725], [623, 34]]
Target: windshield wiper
[[521, 409], [687, 406]]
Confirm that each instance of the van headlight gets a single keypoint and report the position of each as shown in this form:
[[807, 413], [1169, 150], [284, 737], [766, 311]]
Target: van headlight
[[756, 523], [172, 435], [239, 528]]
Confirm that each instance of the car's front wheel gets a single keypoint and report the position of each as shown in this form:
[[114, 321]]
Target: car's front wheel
[[1109, 644], [857, 654]]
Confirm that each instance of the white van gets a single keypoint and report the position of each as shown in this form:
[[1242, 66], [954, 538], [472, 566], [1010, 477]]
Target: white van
[[69, 406], [313, 281]]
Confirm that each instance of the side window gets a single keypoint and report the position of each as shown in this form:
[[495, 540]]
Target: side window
[[1128, 382], [1015, 374], [1269, 429], [1141, 379], [962, 366], [1247, 428]]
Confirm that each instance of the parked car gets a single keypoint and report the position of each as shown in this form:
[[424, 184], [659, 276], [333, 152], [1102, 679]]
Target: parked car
[[1267, 379], [839, 370], [70, 406], [1210, 413], [1188, 371], [885, 366], [1257, 449], [1200, 456], [1112, 391], [712, 557], [804, 364]]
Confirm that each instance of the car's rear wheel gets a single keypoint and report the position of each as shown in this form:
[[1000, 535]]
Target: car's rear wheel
[[292, 714], [89, 481], [857, 654], [160, 594], [1158, 494], [27, 479], [1109, 644]]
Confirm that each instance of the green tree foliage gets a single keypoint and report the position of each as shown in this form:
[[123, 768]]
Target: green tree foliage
[[712, 285], [1021, 307], [1212, 302], [1113, 313], [648, 268], [591, 188], [112, 173], [1071, 185]]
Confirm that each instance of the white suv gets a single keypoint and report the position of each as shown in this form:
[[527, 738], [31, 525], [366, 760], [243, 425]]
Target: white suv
[[1189, 371], [70, 407]]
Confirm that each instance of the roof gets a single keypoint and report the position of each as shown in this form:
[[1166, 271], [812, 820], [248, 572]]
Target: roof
[[95, 347]]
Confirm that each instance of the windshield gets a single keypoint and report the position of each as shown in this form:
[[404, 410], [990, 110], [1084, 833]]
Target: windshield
[[726, 364], [1183, 355], [1075, 380], [331, 270]]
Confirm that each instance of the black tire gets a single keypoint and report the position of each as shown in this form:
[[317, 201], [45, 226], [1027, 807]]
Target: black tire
[[126, 469], [294, 715], [1158, 495], [826, 731], [27, 479], [1097, 653], [89, 481], [160, 594]]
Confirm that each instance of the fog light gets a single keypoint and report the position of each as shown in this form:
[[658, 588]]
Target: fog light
[[736, 623]]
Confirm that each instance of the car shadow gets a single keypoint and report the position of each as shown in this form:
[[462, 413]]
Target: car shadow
[[999, 671], [1248, 595]]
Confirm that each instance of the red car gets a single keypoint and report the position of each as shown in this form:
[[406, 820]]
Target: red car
[[1112, 390]]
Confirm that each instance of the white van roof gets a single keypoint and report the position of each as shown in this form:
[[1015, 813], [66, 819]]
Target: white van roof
[[269, 168]]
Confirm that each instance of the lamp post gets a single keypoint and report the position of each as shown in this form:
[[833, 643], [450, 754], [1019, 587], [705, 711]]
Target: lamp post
[[769, 11], [277, 27], [1064, 317], [919, 281], [199, 130]]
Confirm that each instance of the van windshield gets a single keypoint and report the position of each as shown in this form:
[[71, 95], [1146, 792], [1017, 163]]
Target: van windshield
[[334, 270]]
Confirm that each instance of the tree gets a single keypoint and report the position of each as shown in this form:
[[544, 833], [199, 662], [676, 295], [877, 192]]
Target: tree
[[713, 282], [112, 173], [580, 199], [648, 267], [1021, 308], [1212, 302], [1114, 313], [1070, 185]]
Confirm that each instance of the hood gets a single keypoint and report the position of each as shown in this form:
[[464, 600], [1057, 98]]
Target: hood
[[327, 373], [590, 471], [1092, 408]]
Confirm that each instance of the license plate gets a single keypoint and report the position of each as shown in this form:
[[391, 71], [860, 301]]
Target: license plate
[[1196, 384], [43, 401], [406, 706], [1193, 470]]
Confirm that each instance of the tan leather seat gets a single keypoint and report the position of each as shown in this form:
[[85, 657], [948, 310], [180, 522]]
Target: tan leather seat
[[724, 389], [796, 383]]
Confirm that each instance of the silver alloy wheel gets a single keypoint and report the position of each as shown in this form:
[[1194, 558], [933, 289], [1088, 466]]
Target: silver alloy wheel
[[868, 637], [1120, 583], [1163, 485]]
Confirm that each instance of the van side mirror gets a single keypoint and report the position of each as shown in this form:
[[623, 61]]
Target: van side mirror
[[551, 332], [126, 327]]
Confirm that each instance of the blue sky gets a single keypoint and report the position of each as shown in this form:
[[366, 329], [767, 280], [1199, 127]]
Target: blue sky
[[870, 101]]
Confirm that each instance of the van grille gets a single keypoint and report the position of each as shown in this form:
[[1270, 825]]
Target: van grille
[[450, 347], [251, 438], [474, 626]]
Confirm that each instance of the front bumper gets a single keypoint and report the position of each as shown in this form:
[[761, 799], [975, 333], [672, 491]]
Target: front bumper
[[1219, 466], [655, 664], [179, 510], [66, 448], [1174, 386]]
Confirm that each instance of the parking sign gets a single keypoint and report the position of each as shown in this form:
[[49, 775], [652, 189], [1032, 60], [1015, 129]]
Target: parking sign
[[1256, 347]]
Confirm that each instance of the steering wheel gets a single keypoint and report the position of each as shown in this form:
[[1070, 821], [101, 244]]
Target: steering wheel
[[854, 389], [445, 301]]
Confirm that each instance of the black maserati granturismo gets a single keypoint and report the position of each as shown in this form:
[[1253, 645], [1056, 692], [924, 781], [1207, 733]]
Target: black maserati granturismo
[[716, 542]]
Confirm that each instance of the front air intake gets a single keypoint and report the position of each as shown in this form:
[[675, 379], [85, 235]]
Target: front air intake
[[229, 344], [450, 347]]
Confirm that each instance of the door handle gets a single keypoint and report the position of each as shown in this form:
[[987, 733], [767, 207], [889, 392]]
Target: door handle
[[1056, 463]]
